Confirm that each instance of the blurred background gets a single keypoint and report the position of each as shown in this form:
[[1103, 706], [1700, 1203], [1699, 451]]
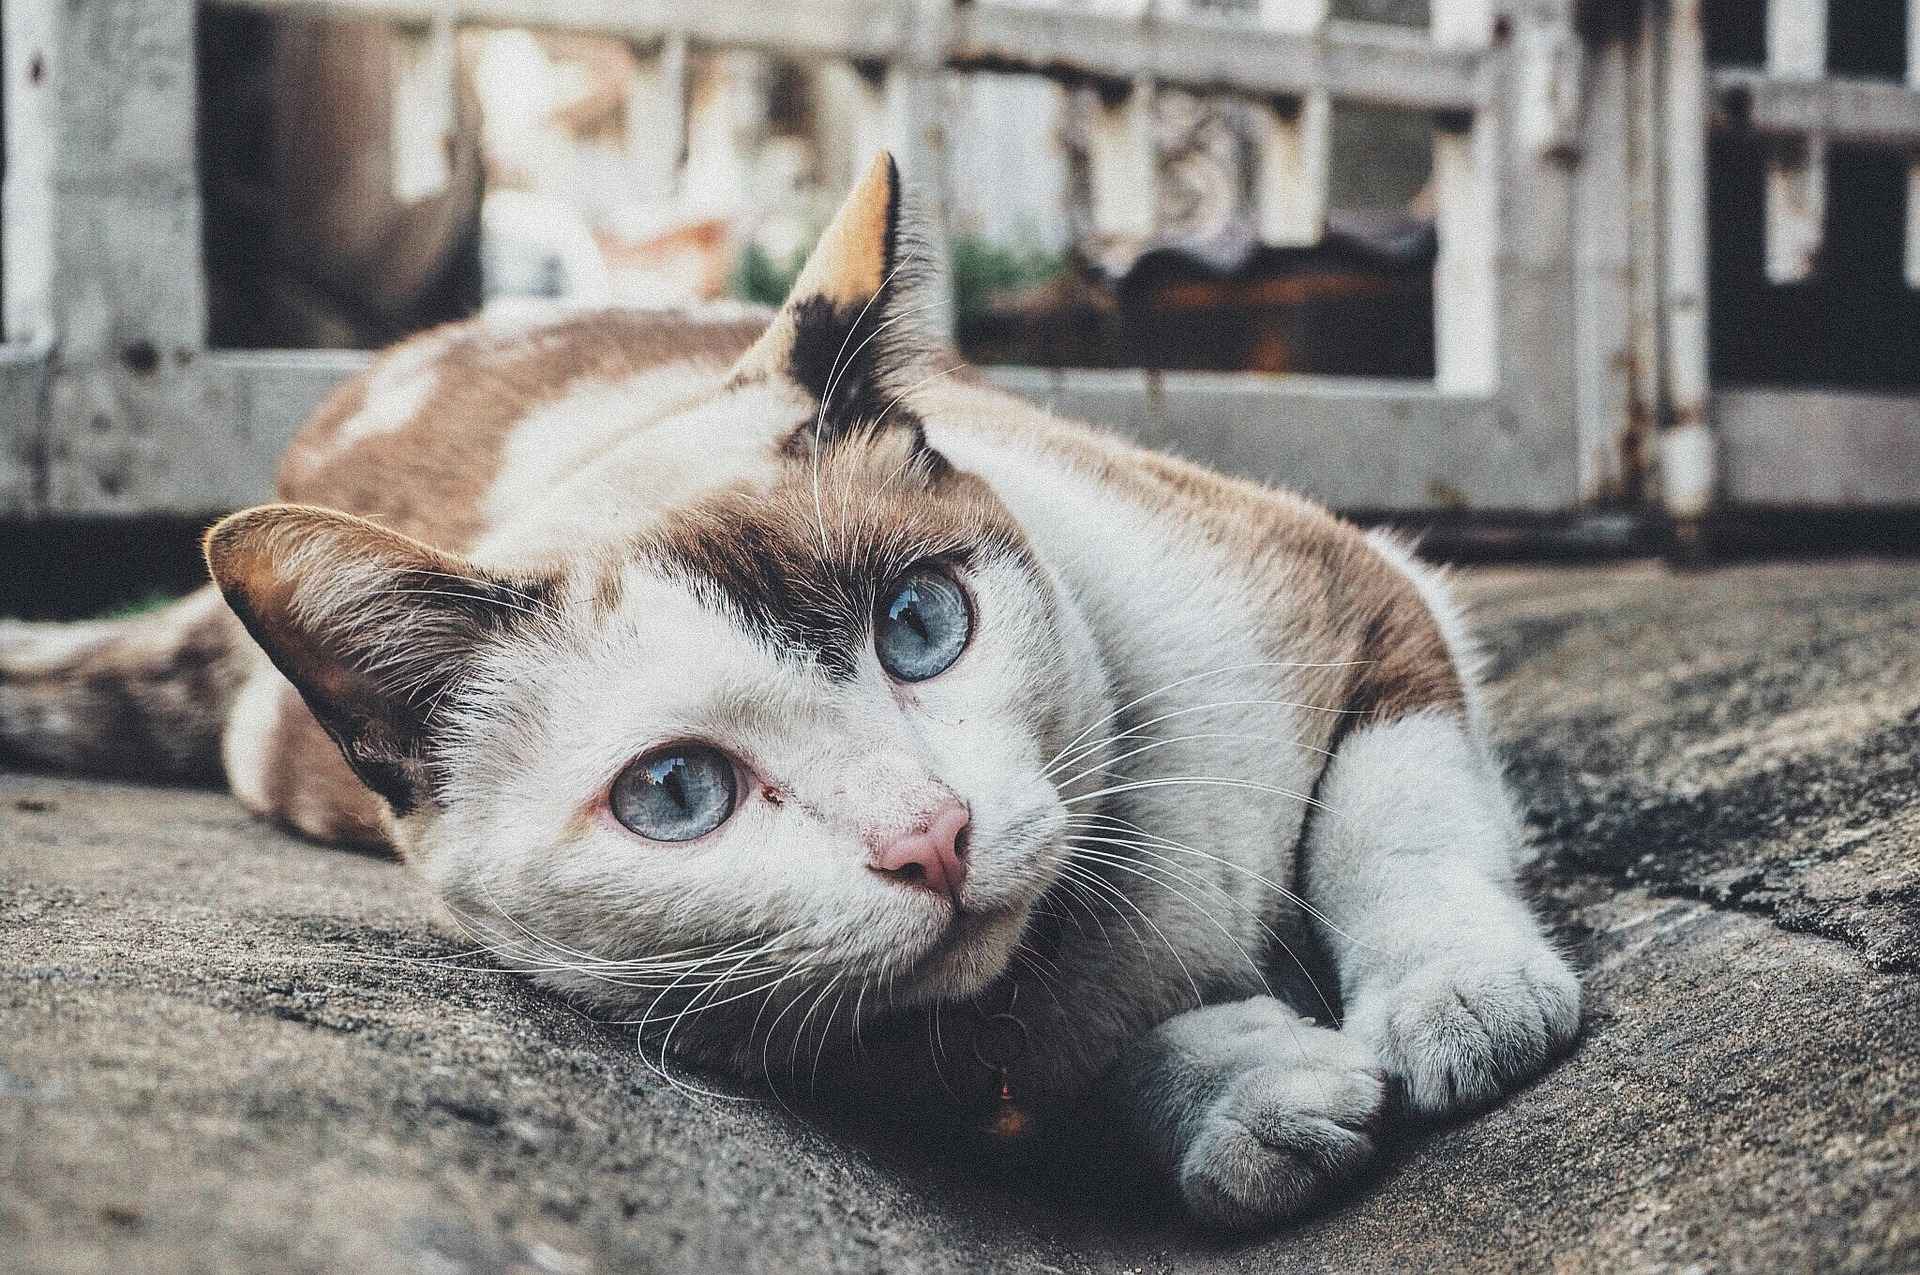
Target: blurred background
[[1548, 278]]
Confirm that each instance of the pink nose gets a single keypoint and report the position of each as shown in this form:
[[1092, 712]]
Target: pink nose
[[934, 858]]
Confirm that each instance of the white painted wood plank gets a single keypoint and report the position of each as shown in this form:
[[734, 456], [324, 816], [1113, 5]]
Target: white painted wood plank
[[1466, 215], [1865, 444], [1552, 70], [23, 388], [1353, 443], [1466, 290], [1796, 180], [1876, 113], [103, 243], [425, 101], [1291, 140], [1461, 24], [1291, 181], [1123, 163], [1358, 443], [726, 117], [1646, 347], [1913, 169], [1294, 15], [1796, 39], [1688, 453], [1796, 209], [656, 123], [1361, 62], [1603, 281]]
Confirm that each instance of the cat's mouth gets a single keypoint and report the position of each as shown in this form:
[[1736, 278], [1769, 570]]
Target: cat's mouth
[[972, 951]]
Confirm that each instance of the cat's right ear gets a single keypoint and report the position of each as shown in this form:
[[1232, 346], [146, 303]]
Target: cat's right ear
[[373, 628]]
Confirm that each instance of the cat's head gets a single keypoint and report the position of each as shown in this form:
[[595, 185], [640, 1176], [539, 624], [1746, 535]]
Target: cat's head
[[806, 729]]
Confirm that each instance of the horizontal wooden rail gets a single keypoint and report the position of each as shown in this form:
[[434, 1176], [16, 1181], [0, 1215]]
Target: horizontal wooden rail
[[1852, 112], [1351, 61], [1863, 442], [1379, 444]]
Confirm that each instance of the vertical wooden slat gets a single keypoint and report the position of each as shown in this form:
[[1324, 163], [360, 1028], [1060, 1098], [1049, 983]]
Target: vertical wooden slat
[[1603, 279], [1646, 345], [1290, 191], [1123, 161], [103, 257], [1796, 184], [1688, 454], [726, 117], [1913, 168], [425, 100], [1466, 171], [1293, 138], [656, 124], [1461, 23]]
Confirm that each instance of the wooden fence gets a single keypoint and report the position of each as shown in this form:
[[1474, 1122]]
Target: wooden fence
[[1569, 178]]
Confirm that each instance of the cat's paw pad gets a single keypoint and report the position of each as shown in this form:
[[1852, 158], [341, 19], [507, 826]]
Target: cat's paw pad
[[1281, 1137], [1458, 1035]]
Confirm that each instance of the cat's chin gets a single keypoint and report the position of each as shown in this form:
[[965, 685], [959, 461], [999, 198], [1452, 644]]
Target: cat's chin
[[970, 954]]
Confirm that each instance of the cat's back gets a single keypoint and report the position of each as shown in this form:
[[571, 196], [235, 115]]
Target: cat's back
[[439, 432]]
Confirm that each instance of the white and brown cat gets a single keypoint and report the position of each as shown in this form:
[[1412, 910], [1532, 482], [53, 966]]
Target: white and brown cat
[[829, 714]]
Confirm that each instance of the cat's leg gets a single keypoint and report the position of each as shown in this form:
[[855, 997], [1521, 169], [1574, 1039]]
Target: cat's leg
[[1445, 973], [1251, 1111]]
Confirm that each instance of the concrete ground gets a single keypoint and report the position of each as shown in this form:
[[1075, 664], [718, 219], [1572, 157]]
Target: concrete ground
[[214, 1056]]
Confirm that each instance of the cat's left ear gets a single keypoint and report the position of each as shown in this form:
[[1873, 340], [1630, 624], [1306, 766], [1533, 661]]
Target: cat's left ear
[[854, 332]]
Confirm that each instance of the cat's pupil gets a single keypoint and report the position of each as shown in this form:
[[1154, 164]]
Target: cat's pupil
[[906, 608], [925, 626], [675, 785], [676, 795]]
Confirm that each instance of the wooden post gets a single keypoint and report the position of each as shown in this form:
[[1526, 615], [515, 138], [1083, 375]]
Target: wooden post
[[1796, 169], [1603, 278], [1466, 174], [726, 117], [1293, 137], [1913, 167], [656, 123], [103, 259], [425, 106], [1646, 344], [1688, 453], [1124, 162]]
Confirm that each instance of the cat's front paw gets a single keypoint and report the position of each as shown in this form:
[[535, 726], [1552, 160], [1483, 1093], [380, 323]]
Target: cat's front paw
[[1281, 1137], [1456, 1035]]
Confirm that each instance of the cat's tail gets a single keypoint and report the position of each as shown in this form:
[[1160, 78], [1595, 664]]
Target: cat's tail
[[142, 698]]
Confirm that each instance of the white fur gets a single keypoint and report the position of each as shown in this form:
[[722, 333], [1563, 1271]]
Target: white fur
[[391, 403], [567, 478], [1444, 970]]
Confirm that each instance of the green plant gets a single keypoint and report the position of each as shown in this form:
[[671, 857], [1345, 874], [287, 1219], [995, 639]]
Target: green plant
[[758, 277], [981, 268], [139, 606], [978, 267]]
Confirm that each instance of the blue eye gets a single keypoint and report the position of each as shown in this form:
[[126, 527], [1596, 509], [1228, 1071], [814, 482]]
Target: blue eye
[[675, 794], [921, 626]]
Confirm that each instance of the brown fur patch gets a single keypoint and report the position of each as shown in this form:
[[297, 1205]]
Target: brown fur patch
[[372, 627], [141, 698], [309, 786], [764, 555], [429, 477]]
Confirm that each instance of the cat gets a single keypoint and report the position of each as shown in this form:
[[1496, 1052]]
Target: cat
[[781, 689]]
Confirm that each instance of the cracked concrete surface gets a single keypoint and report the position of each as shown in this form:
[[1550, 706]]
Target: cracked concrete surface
[[215, 1054]]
